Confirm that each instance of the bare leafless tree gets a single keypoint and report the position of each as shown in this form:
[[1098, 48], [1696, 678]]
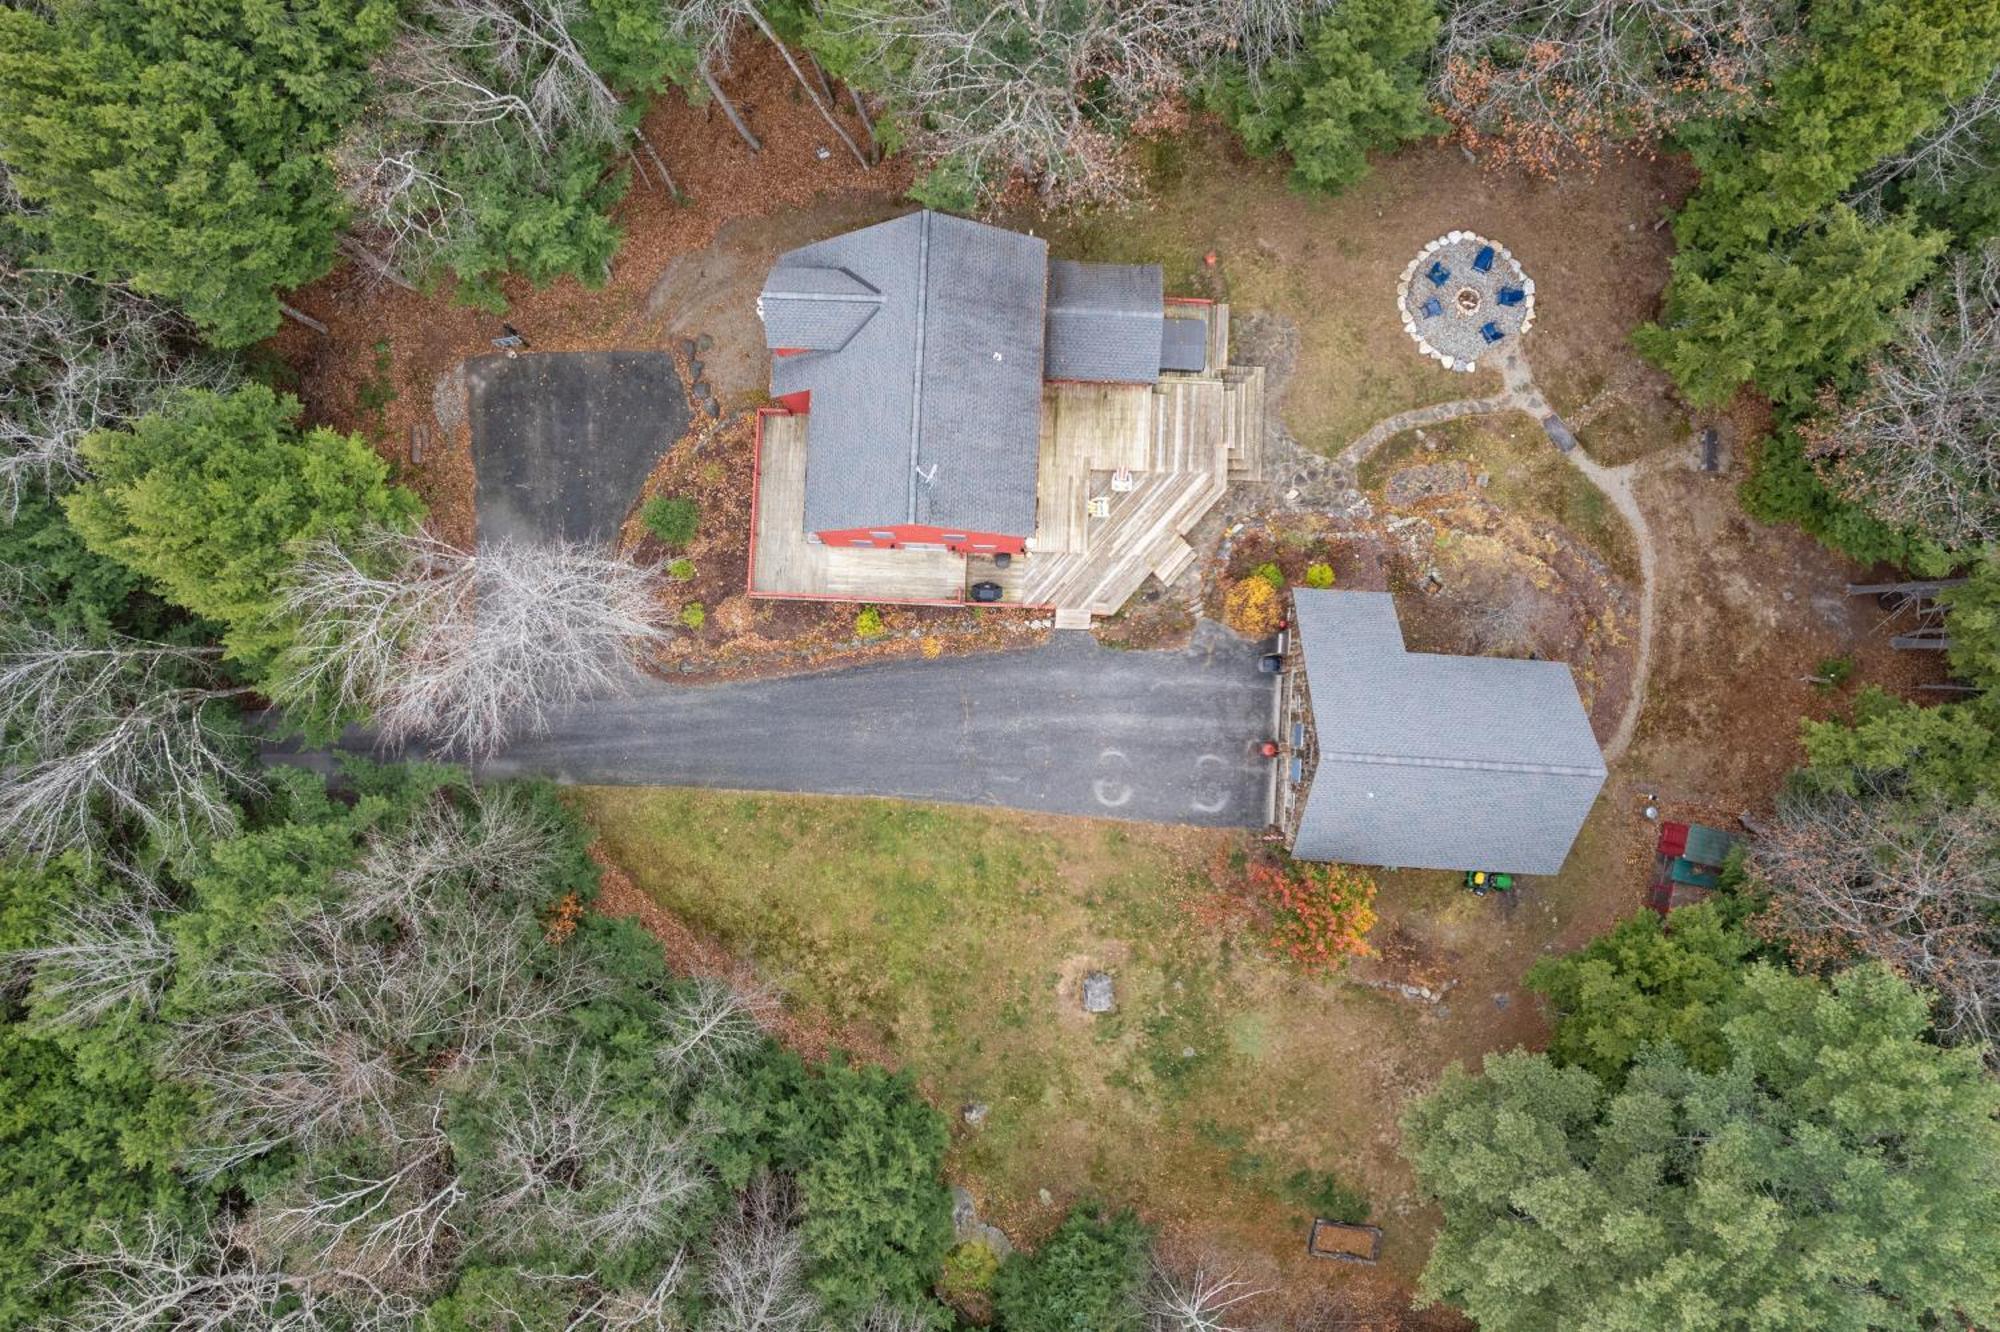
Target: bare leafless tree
[[1959, 147], [337, 1028], [709, 1027], [207, 1281], [711, 27], [478, 846], [101, 734], [654, 1308], [510, 74], [1920, 446], [476, 62], [560, 1166], [1562, 84], [391, 173], [286, 1058], [103, 955], [1261, 31], [1914, 885], [397, 1227], [1197, 1302], [1026, 87], [353, 1016], [462, 648], [77, 355], [756, 1271]]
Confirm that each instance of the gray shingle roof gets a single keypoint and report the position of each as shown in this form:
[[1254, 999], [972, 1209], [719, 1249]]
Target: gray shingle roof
[[928, 410], [815, 309], [1105, 321], [1435, 762]]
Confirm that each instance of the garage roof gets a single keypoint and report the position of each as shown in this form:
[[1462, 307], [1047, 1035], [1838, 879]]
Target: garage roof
[[1437, 762]]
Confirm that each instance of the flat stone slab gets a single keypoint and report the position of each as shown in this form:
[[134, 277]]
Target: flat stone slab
[[1426, 481], [562, 441]]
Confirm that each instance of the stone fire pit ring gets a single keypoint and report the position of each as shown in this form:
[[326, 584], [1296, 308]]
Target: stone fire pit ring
[[1459, 310]]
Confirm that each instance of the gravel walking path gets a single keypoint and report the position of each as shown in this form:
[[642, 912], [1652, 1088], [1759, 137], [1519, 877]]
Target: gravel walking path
[[1617, 484]]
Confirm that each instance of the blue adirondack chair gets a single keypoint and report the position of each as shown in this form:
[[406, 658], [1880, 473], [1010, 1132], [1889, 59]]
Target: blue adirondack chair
[[1483, 261], [1511, 296], [1432, 308], [1439, 274], [1491, 332]]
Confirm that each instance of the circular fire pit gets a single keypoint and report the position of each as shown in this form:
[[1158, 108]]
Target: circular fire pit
[[1465, 297]]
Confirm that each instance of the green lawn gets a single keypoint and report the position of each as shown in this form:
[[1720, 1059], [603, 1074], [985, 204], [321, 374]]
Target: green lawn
[[1223, 1087]]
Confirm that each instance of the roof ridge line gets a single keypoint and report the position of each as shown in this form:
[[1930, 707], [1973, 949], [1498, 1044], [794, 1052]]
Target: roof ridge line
[[1479, 765], [917, 364], [858, 298], [1104, 313]]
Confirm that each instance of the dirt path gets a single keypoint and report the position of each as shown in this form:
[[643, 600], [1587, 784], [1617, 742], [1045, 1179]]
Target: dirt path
[[1617, 484]]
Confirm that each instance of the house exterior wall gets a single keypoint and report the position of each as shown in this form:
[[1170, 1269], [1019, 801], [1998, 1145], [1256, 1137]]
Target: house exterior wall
[[892, 535], [1298, 738]]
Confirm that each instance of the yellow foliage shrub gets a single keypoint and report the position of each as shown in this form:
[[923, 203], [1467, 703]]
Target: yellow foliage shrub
[[1253, 607]]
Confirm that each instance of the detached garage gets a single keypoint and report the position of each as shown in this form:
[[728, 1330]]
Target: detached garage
[[1414, 760]]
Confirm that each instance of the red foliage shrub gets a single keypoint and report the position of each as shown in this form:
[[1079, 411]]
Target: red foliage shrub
[[1320, 914]]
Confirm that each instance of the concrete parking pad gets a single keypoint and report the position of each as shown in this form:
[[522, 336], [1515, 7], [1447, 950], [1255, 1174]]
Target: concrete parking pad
[[1069, 728], [562, 441]]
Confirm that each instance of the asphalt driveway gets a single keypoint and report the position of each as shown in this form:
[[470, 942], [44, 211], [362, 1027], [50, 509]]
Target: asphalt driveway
[[562, 441], [1068, 728]]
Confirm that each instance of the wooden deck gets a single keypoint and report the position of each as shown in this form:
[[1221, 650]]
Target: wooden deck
[[1159, 457], [786, 563], [1184, 473], [1181, 441], [1085, 428]]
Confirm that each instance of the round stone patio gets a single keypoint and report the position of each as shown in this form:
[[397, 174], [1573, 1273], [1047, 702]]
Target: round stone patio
[[1446, 301]]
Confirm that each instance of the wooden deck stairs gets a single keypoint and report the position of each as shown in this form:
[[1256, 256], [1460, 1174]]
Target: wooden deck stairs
[[1198, 433]]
